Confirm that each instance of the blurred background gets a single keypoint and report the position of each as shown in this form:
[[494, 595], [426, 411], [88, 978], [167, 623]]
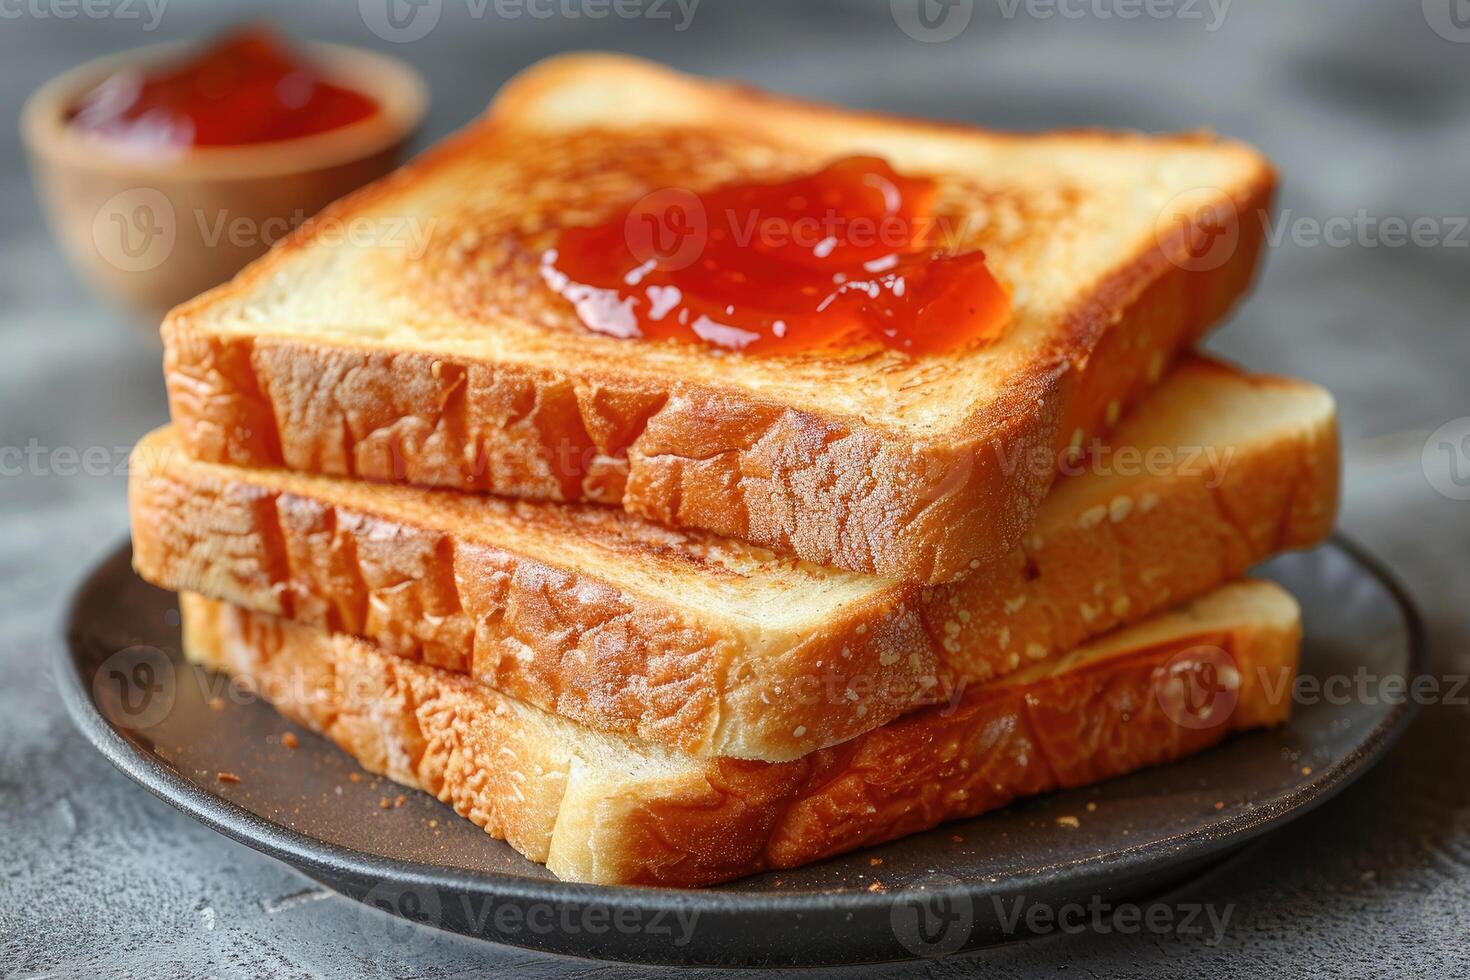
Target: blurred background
[[1362, 104]]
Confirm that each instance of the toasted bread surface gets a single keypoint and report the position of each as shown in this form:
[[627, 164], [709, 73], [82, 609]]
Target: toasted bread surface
[[721, 649], [614, 810], [431, 354]]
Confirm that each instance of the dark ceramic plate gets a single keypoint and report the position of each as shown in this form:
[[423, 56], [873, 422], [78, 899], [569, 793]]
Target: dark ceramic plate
[[174, 728]]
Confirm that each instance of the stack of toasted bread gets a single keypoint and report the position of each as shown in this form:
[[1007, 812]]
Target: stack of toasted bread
[[656, 612]]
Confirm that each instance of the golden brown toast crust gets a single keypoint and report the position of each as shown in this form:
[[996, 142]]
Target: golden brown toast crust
[[439, 577], [672, 434], [600, 810], [563, 637]]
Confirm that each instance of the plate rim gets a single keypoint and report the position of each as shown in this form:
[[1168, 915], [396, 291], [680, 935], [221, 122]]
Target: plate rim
[[303, 851]]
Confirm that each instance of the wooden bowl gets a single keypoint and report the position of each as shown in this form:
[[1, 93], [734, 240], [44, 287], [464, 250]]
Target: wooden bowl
[[154, 231]]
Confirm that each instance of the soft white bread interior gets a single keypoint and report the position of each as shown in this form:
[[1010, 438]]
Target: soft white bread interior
[[610, 809], [430, 353], [721, 649]]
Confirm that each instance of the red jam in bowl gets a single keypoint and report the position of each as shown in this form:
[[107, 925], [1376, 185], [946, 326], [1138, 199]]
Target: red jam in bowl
[[246, 87]]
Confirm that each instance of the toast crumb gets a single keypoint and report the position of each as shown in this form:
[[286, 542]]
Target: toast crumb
[[217, 703], [356, 777], [1074, 444], [874, 862], [384, 803], [1091, 807], [877, 886], [289, 740], [1072, 823], [227, 777], [1119, 509]]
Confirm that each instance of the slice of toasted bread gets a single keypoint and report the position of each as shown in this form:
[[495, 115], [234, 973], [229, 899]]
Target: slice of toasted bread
[[608, 809], [721, 649], [405, 335]]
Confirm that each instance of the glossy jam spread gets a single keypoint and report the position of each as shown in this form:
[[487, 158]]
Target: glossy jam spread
[[247, 87], [842, 257]]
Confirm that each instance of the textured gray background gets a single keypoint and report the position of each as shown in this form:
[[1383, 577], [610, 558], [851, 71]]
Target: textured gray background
[[1363, 106]]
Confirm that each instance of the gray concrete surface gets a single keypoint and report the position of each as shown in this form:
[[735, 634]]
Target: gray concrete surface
[[1362, 104]]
